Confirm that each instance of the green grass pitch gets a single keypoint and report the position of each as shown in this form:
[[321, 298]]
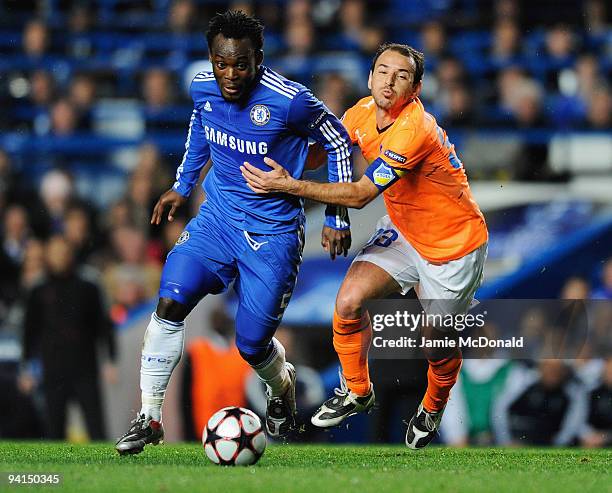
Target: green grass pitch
[[311, 468]]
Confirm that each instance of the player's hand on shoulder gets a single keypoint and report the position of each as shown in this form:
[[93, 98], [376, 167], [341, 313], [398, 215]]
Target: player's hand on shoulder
[[171, 198], [277, 179], [335, 241]]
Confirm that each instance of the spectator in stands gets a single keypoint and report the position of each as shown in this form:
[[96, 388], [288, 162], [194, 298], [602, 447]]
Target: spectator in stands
[[34, 115], [507, 80], [33, 268], [371, 39], [300, 42], [149, 163], [79, 232], [336, 92], [35, 39], [130, 292], [575, 288], [80, 22], [352, 15], [8, 181], [13, 242], [543, 406], [597, 431], [560, 42], [117, 216], [595, 18], [300, 38], [506, 10], [131, 255], [82, 95], [56, 192], [526, 104], [458, 107], [525, 100], [599, 114], [42, 88], [298, 10], [156, 89], [572, 338], [214, 374], [141, 198], [506, 41], [576, 87], [433, 41], [65, 336], [588, 77], [273, 15], [604, 290], [450, 72], [181, 16], [16, 231], [535, 331], [80, 18], [64, 118]]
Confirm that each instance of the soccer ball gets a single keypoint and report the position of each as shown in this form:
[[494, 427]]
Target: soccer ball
[[233, 436]]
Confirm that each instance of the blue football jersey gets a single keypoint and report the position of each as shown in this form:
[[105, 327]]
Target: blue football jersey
[[277, 120]]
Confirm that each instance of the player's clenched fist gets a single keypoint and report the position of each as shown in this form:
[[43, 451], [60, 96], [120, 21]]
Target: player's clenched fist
[[169, 198]]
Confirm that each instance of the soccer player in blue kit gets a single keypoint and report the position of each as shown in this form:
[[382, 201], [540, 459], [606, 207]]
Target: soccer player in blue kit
[[243, 111]]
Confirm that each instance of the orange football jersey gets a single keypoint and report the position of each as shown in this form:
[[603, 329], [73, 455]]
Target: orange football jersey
[[431, 203]]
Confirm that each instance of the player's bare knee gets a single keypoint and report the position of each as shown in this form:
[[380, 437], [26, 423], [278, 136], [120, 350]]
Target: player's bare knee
[[171, 310], [349, 303]]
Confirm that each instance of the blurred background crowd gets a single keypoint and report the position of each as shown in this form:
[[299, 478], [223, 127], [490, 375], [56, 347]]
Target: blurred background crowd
[[96, 107]]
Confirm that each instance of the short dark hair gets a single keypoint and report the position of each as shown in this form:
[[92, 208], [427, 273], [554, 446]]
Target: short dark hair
[[235, 24], [408, 51]]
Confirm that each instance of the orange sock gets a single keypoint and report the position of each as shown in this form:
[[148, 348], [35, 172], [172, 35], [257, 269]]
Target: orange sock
[[352, 339], [441, 376]]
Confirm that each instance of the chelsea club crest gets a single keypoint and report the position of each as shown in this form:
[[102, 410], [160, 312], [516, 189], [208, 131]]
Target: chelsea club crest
[[260, 114], [183, 238]]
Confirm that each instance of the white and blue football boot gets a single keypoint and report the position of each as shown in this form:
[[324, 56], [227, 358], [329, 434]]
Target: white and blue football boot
[[281, 411]]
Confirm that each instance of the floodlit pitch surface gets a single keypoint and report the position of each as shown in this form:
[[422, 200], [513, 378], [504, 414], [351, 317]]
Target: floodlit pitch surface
[[315, 468]]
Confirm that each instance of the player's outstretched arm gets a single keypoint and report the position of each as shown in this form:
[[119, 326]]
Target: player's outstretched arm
[[333, 241], [171, 199], [351, 194]]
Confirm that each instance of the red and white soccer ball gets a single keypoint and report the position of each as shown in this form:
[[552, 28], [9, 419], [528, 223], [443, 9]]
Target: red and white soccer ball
[[234, 436]]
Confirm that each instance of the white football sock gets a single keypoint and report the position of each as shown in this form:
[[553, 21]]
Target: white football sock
[[273, 371], [161, 351]]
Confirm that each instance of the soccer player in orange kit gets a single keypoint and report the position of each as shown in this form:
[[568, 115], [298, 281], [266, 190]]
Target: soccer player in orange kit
[[434, 238]]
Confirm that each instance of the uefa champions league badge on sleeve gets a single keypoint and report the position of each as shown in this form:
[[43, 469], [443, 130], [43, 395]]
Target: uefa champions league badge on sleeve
[[260, 114], [183, 238]]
